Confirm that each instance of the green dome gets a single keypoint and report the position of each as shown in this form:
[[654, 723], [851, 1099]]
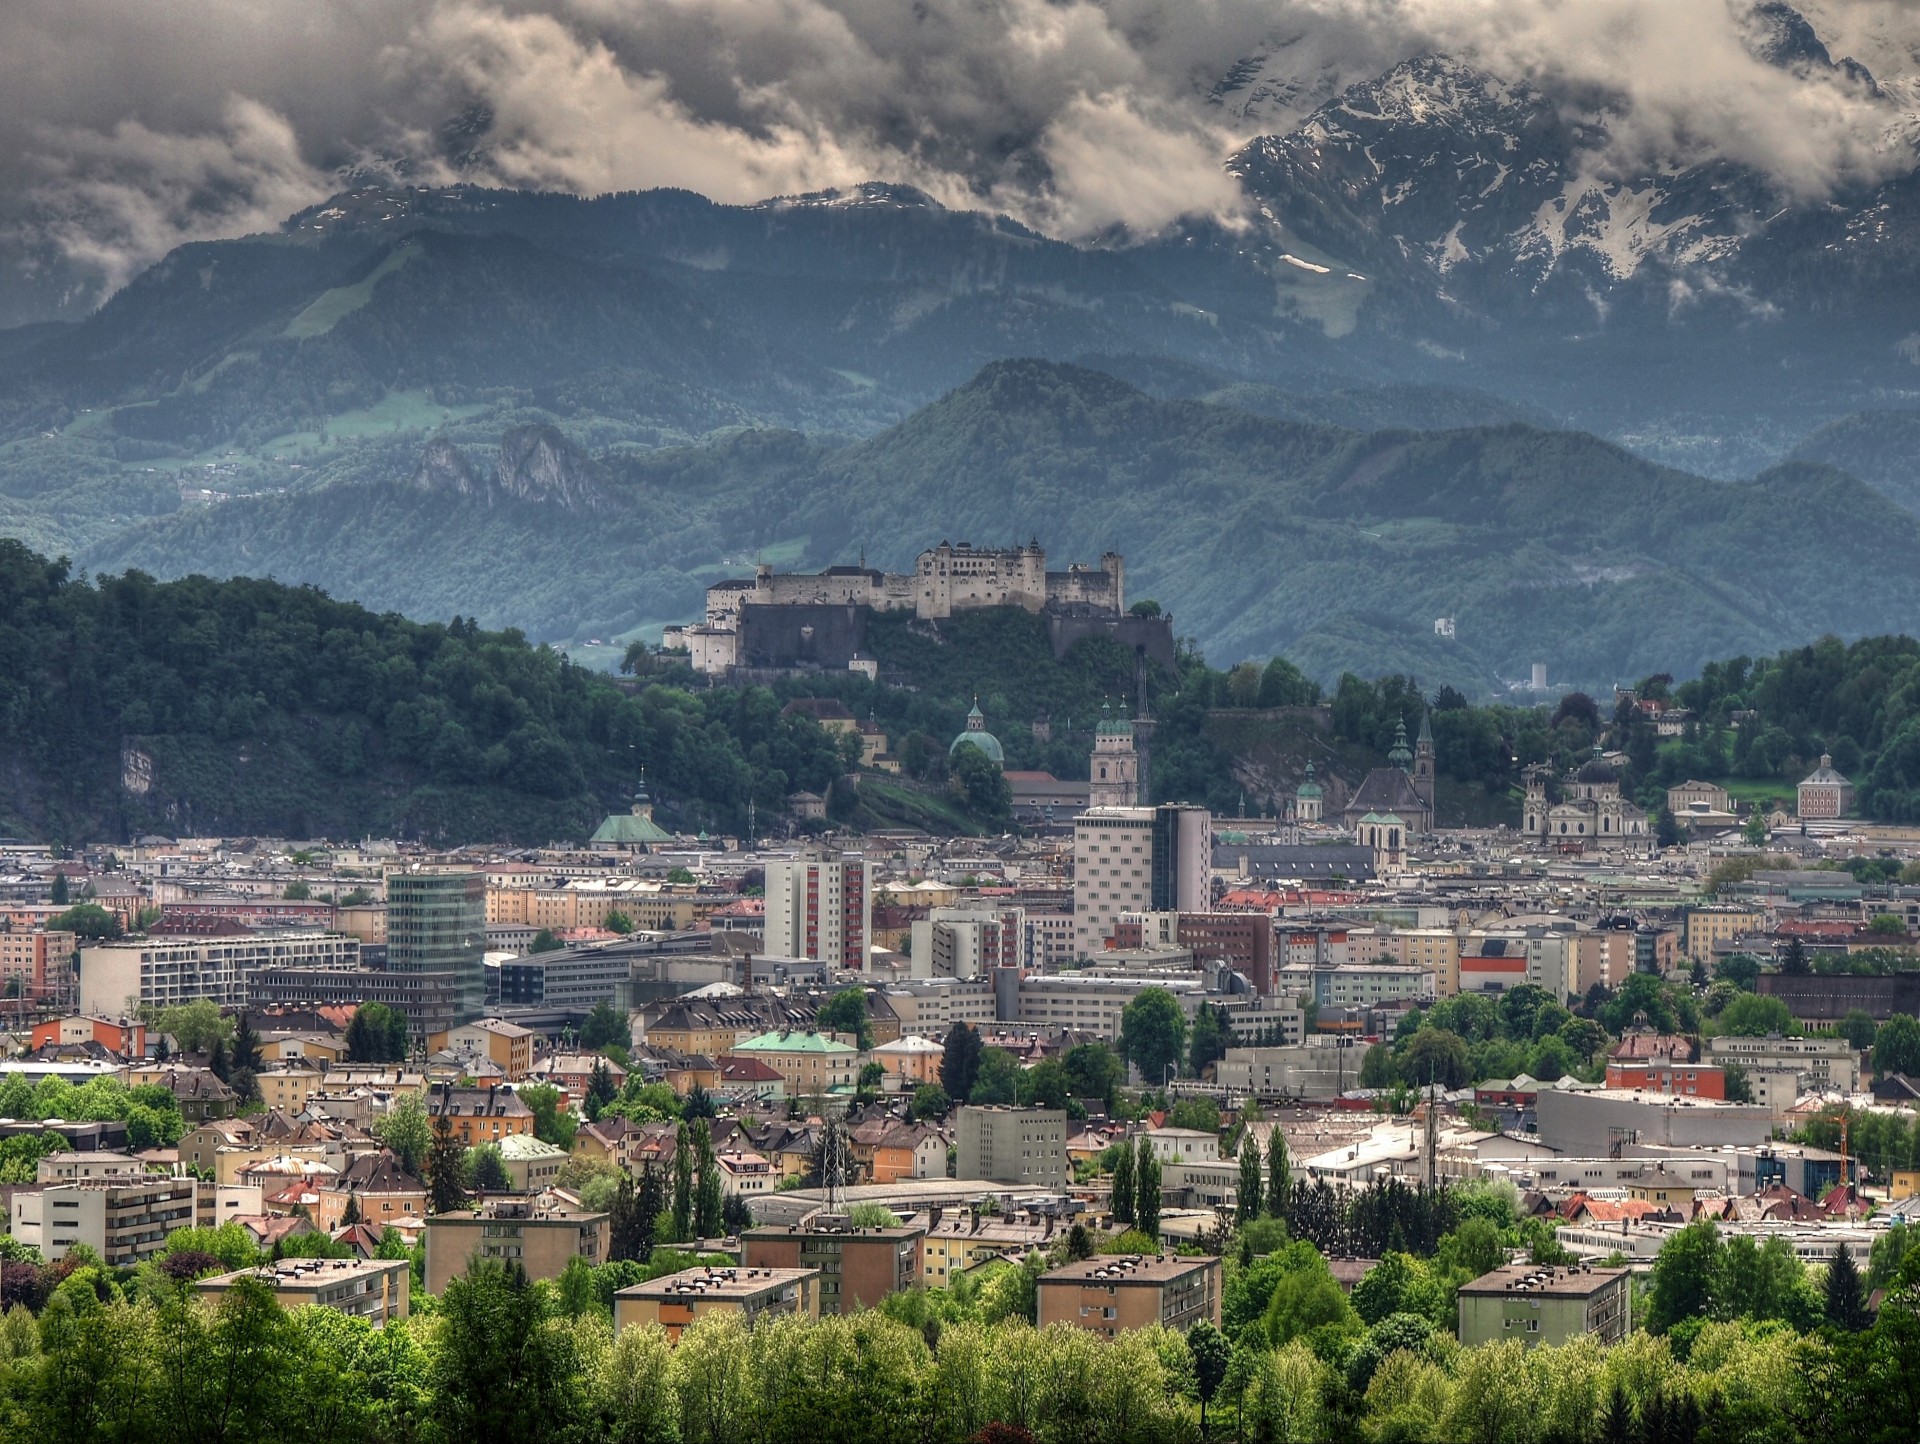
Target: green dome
[[1110, 726], [978, 735], [1401, 756], [1309, 788]]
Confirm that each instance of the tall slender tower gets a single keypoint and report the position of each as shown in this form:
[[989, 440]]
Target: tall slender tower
[[1423, 760], [1114, 773]]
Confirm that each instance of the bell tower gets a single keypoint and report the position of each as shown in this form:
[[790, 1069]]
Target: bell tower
[[1114, 772]]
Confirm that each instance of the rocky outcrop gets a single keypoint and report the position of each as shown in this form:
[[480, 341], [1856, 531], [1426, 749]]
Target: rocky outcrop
[[538, 464]]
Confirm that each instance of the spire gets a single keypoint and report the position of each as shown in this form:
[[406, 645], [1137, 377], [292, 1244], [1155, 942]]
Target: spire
[[1400, 756], [1425, 739]]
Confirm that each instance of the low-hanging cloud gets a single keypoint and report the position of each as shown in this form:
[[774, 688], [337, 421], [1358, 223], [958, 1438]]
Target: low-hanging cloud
[[131, 127]]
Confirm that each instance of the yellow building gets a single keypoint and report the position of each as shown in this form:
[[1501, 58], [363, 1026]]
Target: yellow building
[[288, 1089], [649, 907], [1657, 1186], [506, 1045], [811, 1063], [1706, 926], [1437, 950], [1904, 1184]]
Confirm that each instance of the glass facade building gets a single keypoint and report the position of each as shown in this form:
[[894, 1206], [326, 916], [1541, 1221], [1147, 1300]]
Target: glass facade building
[[437, 923]]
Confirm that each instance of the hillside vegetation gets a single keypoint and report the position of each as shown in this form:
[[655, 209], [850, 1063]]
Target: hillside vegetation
[[259, 707]]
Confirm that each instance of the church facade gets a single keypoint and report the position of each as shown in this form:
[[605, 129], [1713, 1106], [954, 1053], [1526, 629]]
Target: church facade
[[1403, 789], [1591, 814]]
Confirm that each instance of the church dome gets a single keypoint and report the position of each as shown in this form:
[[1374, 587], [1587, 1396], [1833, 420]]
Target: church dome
[[1111, 726], [1597, 769], [978, 735], [1308, 787]]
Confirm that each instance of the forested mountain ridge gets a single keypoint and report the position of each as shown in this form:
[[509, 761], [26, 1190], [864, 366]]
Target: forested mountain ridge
[[1334, 547], [130, 706]]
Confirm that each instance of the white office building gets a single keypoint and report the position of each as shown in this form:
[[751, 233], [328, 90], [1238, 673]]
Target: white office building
[[1136, 860], [117, 977], [821, 909]]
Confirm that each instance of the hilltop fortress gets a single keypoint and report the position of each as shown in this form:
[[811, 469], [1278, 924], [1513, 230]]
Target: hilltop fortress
[[782, 621]]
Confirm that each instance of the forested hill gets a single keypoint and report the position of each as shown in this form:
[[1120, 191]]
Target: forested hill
[[248, 706], [1335, 547]]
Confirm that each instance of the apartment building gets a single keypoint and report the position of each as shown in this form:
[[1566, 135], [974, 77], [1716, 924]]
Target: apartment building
[[118, 977], [812, 1064], [124, 1219], [678, 1300], [858, 1267], [373, 1289], [1823, 1065], [1114, 1293], [820, 909], [1539, 1305], [539, 1236], [37, 964]]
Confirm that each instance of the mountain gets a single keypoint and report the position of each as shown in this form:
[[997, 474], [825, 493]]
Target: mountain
[[1882, 448], [1262, 536]]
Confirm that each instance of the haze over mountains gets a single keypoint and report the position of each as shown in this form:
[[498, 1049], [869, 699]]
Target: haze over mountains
[[1236, 399]]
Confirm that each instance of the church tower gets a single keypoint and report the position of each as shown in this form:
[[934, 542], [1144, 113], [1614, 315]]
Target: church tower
[[1423, 760], [1114, 774], [1308, 798]]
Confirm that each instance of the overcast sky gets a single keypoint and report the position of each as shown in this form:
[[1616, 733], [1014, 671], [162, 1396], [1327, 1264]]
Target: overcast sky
[[130, 125]]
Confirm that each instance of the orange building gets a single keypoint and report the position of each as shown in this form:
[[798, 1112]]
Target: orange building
[[480, 1115], [123, 1036], [1663, 1075]]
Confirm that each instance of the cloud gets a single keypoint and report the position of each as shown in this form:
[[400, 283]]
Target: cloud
[[131, 127]]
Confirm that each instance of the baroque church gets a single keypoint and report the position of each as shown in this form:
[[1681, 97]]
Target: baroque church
[[1402, 790], [1592, 815]]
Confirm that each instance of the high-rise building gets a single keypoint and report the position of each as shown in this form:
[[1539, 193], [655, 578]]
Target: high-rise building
[[437, 923], [1136, 860], [820, 909], [968, 942]]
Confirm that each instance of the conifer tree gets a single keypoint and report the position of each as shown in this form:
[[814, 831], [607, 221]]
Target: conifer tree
[[1146, 1191], [1123, 1184], [706, 1200], [1846, 1306], [1279, 1174], [682, 1186]]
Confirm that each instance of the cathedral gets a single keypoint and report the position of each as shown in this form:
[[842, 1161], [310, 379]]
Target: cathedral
[[1114, 771], [1403, 789], [1592, 814]]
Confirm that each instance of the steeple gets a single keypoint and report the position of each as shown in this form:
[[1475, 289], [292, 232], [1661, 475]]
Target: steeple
[[1400, 756], [1423, 760]]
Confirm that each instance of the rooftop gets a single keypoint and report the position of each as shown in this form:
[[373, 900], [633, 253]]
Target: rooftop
[[1574, 1283], [712, 1283], [1132, 1268]]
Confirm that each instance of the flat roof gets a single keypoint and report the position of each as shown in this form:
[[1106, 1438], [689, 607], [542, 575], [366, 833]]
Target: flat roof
[[1574, 1283], [305, 1273], [712, 1283], [1127, 1269]]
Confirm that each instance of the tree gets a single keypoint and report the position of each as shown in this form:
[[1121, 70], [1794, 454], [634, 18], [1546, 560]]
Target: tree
[[1249, 1197], [682, 1185], [1755, 1015], [1846, 1302], [61, 894], [1437, 1056], [707, 1193], [499, 1373], [1212, 1355], [1682, 1284], [960, 1061], [1153, 1032], [377, 1034], [1859, 1029], [1896, 1048], [997, 1080], [846, 1012], [600, 1089], [605, 1026], [89, 922], [1044, 1085], [1093, 1072], [1146, 1191], [1209, 1041], [195, 1026], [246, 1062], [1794, 961], [930, 1101], [298, 891], [1122, 1199], [489, 1169], [446, 1192], [550, 1123], [1279, 1174], [406, 1130], [545, 942], [617, 922]]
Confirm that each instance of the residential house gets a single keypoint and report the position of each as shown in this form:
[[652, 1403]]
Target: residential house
[[480, 1115], [362, 1288], [1117, 1292], [678, 1300], [541, 1234]]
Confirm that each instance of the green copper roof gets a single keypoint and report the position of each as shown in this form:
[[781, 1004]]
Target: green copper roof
[[630, 829], [1111, 726], [978, 735], [794, 1043], [1401, 756], [1308, 787]]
